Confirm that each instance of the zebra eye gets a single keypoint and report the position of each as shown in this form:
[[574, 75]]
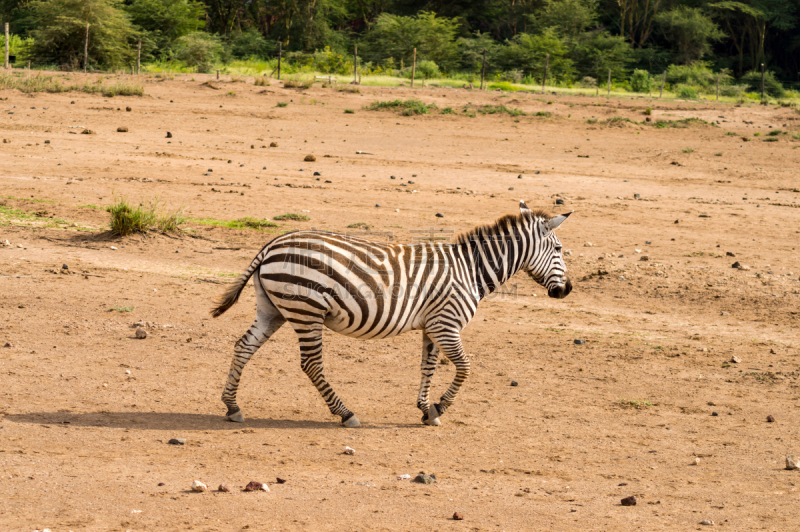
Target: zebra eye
[[558, 248]]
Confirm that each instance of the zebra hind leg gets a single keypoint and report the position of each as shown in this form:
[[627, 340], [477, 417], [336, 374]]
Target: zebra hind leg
[[310, 338], [430, 353], [268, 320]]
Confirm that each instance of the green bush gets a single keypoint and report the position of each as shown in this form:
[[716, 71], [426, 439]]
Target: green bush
[[772, 86], [127, 219], [199, 50], [427, 70], [687, 92], [641, 81], [250, 43]]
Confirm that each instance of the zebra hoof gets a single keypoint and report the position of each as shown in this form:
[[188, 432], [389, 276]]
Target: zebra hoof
[[352, 422], [236, 417], [432, 418]]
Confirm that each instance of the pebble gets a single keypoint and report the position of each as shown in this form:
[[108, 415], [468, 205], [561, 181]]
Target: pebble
[[113, 247], [224, 488], [729, 254], [457, 516], [422, 478], [735, 359], [578, 341], [199, 486], [280, 480], [64, 267], [559, 201], [349, 450], [8, 344], [141, 334], [256, 486], [588, 245], [128, 109], [644, 258], [696, 461], [792, 462], [637, 196], [439, 215], [403, 477], [273, 144], [122, 129], [309, 158], [377, 204], [127, 372], [714, 414], [177, 441], [707, 522], [509, 188], [317, 173], [637, 250], [770, 419], [514, 383], [628, 501]]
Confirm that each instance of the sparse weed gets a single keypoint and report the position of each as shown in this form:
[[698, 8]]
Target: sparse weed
[[282, 104], [298, 82], [648, 111], [638, 404], [127, 219], [757, 134], [774, 133], [291, 216], [407, 107], [499, 109], [261, 81], [349, 112], [687, 150]]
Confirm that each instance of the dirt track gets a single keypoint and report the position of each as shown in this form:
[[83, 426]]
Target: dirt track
[[83, 443]]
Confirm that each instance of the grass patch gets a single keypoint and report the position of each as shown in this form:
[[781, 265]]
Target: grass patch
[[730, 133], [774, 133], [408, 107], [545, 114], [771, 139], [448, 111], [687, 150], [358, 225], [127, 219], [121, 309], [766, 377], [282, 104], [757, 134], [638, 404], [500, 109], [261, 81], [591, 121], [298, 82], [349, 112], [683, 123], [56, 84], [12, 216], [241, 223], [619, 121], [291, 216], [648, 111], [796, 136], [349, 88], [90, 206], [718, 154]]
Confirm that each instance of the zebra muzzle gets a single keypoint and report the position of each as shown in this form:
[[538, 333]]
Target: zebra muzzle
[[560, 292]]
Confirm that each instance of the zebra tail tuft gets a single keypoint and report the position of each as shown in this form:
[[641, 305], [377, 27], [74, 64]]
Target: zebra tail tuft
[[231, 295]]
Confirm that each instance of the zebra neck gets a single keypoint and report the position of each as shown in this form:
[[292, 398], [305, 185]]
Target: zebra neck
[[490, 261]]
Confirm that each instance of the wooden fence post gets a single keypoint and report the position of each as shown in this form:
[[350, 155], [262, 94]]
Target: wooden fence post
[[355, 64], [217, 73], [762, 84], [663, 79], [483, 68], [280, 55], [413, 67], [608, 95], [86, 49], [139, 59], [546, 62], [5, 64]]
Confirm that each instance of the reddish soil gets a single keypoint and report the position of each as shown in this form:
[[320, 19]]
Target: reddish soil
[[83, 443]]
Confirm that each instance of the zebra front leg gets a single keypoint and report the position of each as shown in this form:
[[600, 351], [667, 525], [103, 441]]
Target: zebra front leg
[[259, 332], [430, 354], [311, 361], [449, 342]]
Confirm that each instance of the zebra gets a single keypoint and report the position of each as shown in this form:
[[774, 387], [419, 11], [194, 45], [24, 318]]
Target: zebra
[[370, 290]]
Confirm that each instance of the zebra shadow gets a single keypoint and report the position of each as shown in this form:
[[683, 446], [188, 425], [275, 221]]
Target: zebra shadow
[[173, 421]]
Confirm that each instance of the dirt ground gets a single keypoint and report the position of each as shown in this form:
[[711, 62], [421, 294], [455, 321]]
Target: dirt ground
[[86, 409]]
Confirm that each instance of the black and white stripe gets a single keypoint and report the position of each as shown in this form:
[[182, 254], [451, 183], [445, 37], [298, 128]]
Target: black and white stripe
[[369, 290]]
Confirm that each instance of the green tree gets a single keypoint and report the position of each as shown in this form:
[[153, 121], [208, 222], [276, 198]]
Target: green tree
[[60, 29], [527, 52], [199, 50], [471, 51], [433, 37], [165, 21], [690, 30], [250, 43], [570, 18], [600, 52]]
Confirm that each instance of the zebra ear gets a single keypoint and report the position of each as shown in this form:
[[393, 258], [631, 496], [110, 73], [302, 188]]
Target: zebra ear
[[555, 221], [523, 209]]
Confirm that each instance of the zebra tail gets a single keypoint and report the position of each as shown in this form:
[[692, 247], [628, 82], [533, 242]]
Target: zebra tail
[[232, 293]]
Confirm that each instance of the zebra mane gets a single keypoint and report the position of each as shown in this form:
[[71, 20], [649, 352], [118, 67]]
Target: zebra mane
[[497, 226]]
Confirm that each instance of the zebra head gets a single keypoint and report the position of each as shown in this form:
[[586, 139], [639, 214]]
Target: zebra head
[[545, 260]]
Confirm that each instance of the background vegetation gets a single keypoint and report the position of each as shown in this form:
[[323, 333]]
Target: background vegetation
[[696, 42]]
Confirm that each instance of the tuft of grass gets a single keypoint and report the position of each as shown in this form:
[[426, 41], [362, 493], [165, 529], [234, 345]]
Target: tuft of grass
[[127, 219], [638, 404], [408, 107], [684, 123], [796, 136], [240, 223], [261, 81], [771, 139], [282, 104], [349, 88], [500, 109], [230, 93], [774, 133], [358, 225], [121, 309], [448, 111], [757, 134], [545, 114], [56, 84], [718, 154], [591, 121], [648, 111], [349, 112], [291, 216], [730, 133], [687, 150], [298, 82], [619, 121]]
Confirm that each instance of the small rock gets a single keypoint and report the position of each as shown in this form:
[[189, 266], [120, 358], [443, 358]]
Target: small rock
[[770, 419], [169, 135], [637, 250], [47, 142], [736, 264], [792, 462], [280, 480], [403, 477], [177, 441], [113, 247], [224, 488], [457, 516], [411, 183], [127, 372], [509, 188], [377, 204], [729, 254], [349, 450], [161, 484], [644, 258], [677, 221], [514, 383], [696, 461], [559, 201], [188, 340], [735, 359], [256, 486], [8, 344], [199, 486], [637, 196], [310, 159], [578, 341], [122, 129], [87, 132], [714, 414], [422, 478], [707, 522], [439, 215], [628, 501], [128, 109], [317, 173], [588, 244], [141, 334]]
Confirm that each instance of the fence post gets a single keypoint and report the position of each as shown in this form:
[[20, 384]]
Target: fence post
[[762, 84], [217, 73], [546, 62], [139, 59], [413, 68], [608, 95], [5, 64], [355, 64], [280, 54], [663, 79], [483, 68], [86, 49]]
